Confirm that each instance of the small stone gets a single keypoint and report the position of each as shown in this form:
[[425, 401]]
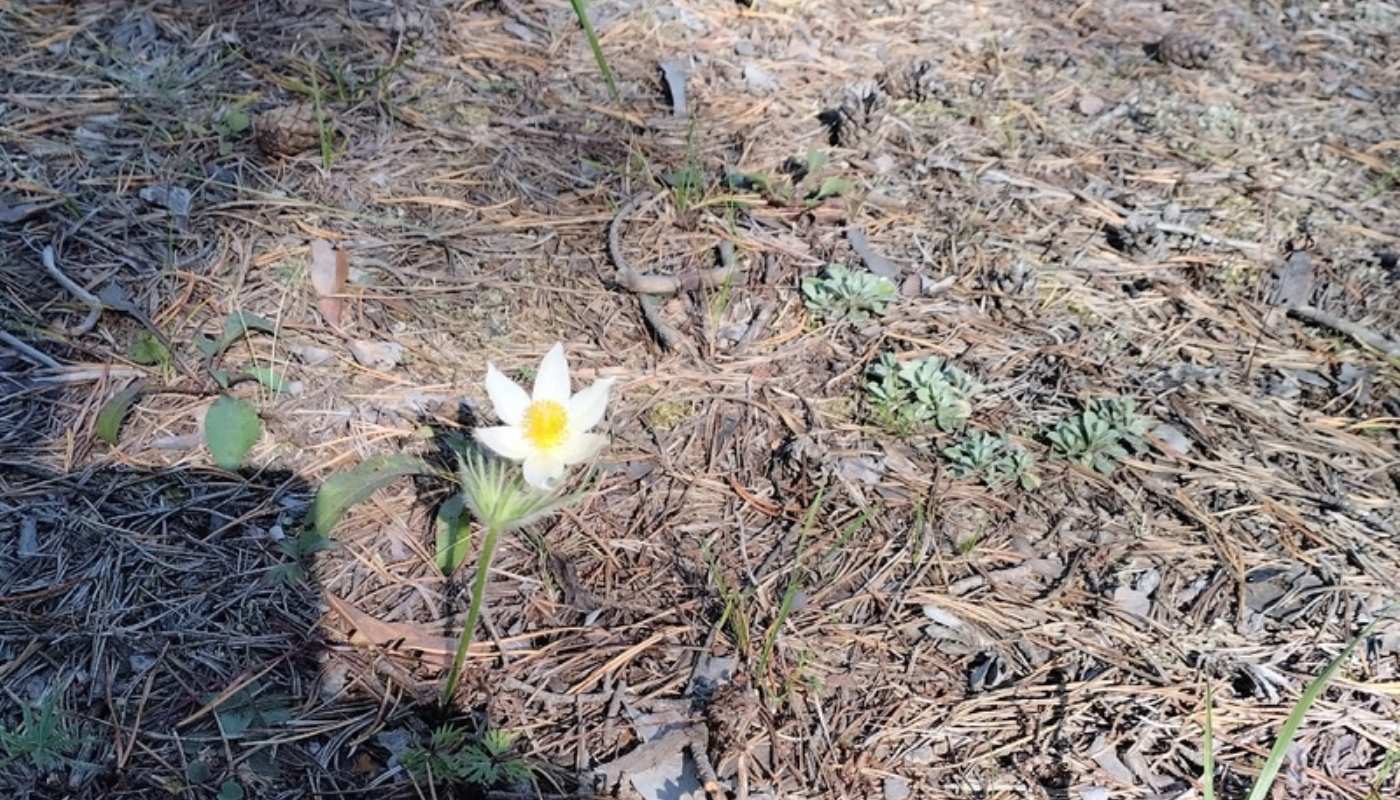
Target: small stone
[[1090, 105], [745, 48], [897, 788], [1173, 441], [310, 355], [175, 199], [919, 756], [377, 355], [759, 79]]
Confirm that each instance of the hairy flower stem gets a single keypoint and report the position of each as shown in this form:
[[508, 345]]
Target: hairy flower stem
[[483, 568]]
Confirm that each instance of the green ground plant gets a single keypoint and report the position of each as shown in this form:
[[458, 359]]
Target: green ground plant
[[844, 294], [1101, 435], [993, 459], [928, 393], [42, 737], [448, 757]]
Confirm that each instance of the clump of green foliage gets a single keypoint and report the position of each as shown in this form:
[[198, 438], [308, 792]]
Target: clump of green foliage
[[41, 738], [1101, 435], [920, 394], [447, 757], [844, 294], [993, 459]]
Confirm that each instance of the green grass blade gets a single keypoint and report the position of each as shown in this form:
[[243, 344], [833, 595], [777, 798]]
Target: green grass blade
[[581, 11], [1260, 790], [1208, 756]]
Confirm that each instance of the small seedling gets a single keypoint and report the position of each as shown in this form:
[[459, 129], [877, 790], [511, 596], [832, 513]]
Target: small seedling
[[843, 294], [920, 394], [993, 459], [1101, 435], [974, 455], [447, 758], [42, 736], [297, 549]]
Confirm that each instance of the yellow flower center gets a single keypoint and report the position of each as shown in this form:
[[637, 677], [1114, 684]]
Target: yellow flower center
[[545, 424]]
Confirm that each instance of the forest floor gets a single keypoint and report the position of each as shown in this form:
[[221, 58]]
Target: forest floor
[[774, 573]]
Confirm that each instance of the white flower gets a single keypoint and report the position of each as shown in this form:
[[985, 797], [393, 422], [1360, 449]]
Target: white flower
[[547, 429]]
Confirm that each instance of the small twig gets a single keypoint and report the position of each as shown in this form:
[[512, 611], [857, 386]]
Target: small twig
[[553, 698], [31, 354], [643, 283], [94, 305], [666, 333], [1183, 230], [689, 281], [1363, 335], [703, 768], [757, 325]]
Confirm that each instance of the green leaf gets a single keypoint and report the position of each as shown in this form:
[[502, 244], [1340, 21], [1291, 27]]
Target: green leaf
[[220, 377], [231, 428], [270, 378], [238, 325], [113, 413], [234, 122], [148, 350], [342, 491], [833, 187], [235, 723], [1264, 784], [197, 771], [230, 791], [453, 539], [1208, 750]]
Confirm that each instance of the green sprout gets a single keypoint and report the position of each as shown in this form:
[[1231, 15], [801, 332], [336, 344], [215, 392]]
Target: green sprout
[[447, 758], [926, 393], [1101, 435], [993, 459], [843, 294]]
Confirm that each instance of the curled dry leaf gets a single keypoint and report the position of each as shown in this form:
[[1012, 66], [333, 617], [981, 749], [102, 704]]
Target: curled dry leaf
[[329, 269], [369, 631]]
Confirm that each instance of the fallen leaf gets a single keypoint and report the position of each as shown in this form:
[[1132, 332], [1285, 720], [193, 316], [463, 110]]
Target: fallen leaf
[[377, 355], [330, 267], [436, 650]]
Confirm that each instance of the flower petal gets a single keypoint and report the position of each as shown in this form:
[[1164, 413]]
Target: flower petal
[[543, 471], [506, 440], [552, 381], [581, 447], [506, 396], [586, 408]]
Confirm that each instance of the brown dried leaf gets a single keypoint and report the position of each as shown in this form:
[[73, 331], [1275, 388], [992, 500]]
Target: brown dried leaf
[[330, 267], [398, 636]]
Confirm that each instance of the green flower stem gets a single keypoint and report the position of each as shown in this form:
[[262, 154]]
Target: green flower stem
[[483, 568]]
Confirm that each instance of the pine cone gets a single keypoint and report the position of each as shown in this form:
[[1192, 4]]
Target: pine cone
[[913, 80], [287, 130], [1186, 50], [861, 110]]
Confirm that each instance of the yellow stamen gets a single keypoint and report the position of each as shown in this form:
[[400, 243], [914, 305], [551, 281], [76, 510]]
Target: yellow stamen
[[545, 424]]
